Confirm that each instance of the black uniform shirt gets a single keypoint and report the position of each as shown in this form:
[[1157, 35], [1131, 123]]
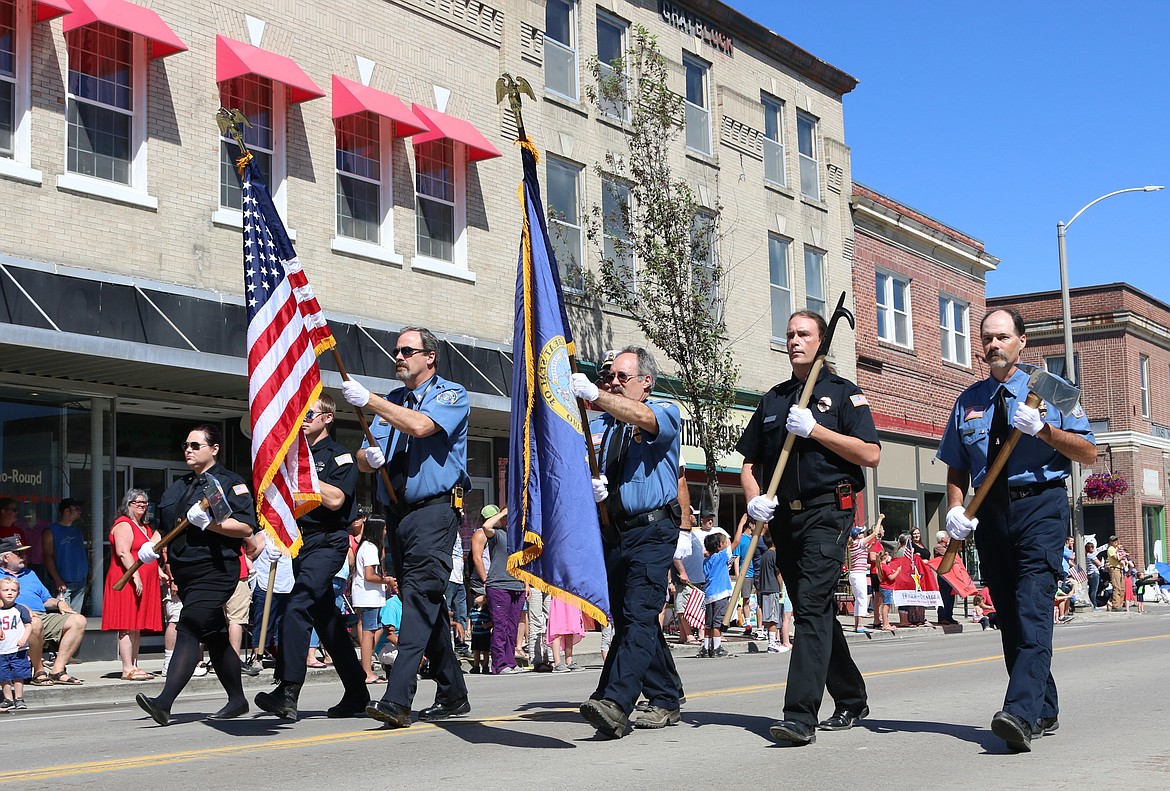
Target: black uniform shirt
[[336, 467], [813, 470], [194, 545]]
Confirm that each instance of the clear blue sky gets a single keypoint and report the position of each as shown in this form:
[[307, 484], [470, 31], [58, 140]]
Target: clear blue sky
[[1001, 118]]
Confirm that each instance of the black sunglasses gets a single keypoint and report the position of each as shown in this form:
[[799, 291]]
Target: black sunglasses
[[313, 413], [621, 376], [409, 351], [193, 445]]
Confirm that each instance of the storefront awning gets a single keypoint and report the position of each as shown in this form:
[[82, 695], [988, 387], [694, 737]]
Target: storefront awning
[[129, 17], [51, 9], [351, 97], [236, 59], [443, 126]]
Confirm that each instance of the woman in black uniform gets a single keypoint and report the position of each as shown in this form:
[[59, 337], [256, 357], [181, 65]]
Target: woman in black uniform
[[205, 562]]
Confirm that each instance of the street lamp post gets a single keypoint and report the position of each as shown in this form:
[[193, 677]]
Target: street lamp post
[[1069, 370]]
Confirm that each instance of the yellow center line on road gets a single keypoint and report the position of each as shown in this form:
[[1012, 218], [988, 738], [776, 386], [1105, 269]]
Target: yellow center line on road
[[187, 756]]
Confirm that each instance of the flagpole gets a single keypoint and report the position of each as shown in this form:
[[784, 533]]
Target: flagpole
[[229, 124]]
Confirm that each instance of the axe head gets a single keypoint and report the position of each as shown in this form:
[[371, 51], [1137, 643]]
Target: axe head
[[1051, 388], [217, 502]]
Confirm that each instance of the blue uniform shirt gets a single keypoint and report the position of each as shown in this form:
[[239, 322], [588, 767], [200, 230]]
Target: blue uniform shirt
[[964, 443], [650, 477], [437, 463]]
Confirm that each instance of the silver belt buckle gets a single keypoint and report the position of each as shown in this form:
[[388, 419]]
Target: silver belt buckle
[[796, 505]]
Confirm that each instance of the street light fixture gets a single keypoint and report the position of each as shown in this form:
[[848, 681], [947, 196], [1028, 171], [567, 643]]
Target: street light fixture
[[1069, 370]]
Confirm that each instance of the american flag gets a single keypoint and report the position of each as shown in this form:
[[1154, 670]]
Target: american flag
[[286, 332], [1077, 573], [693, 612]]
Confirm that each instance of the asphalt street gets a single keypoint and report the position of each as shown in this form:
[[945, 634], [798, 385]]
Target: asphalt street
[[931, 701]]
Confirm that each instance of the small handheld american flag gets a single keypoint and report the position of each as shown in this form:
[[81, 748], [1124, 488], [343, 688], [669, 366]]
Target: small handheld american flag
[[693, 612]]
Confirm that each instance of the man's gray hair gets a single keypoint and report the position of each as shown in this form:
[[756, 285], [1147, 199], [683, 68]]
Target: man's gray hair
[[429, 341], [647, 365]]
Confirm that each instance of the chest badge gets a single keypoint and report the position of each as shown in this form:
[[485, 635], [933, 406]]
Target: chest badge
[[973, 413], [824, 404]]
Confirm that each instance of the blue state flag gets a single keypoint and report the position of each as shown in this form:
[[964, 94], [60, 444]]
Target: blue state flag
[[551, 513]]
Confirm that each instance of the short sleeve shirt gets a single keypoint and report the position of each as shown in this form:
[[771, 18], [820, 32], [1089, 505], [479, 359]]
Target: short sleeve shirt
[[194, 545], [650, 474]]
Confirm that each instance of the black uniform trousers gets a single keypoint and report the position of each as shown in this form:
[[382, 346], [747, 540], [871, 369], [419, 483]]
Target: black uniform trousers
[[312, 605], [639, 659], [1020, 554], [810, 553], [204, 589], [421, 548]]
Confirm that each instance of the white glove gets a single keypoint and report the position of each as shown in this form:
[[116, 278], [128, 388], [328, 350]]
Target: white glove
[[374, 456], [581, 387], [800, 421], [198, 517], [761, 508], [600, 488], [1028, 420], [146, 553], [958, 525], [355, 393]]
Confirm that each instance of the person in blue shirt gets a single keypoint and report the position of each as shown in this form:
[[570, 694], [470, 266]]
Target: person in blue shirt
[[638, 441], [421, 438], [65, 558], [1022, 526]]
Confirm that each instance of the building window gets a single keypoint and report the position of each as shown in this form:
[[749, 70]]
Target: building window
[[781, 280], [7, 77], [704, 258], [360, 172], [564, 212], [615, 225], [101, 103], [956, 337], [806, 142], [774, 170], [893, 309], [814, 281], [253, 96], [698, 114], [560, 47], [437, 203], [1153, 532], [1055, 364], [1144, 383], [611, 47]]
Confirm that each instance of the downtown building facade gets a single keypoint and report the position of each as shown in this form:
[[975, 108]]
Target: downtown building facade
[[121, 287]]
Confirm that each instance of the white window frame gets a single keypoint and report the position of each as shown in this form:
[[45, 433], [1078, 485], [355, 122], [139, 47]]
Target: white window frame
[[775, 156], [812, 301], [564, 49], [705, 220], [555, 224], [810, 168], [955, 338], [1144, 383], [135, 193], [610, 186], [780, 291], [229, 217], [457, 267], [887, 283], [18, 166], [383, 250], [696, 114], [607, 70]]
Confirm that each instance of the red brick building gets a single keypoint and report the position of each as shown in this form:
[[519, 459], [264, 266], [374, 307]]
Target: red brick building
[[1121, 343], [917, 346]]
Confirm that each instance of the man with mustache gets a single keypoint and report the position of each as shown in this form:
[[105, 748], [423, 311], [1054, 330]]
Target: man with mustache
[[1024, 520]]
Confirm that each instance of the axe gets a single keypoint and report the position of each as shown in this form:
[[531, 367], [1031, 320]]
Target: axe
[[212, 499], [1042, 386], [841, 312]]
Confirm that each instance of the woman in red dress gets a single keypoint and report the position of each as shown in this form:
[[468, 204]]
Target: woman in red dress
[[138, 606]]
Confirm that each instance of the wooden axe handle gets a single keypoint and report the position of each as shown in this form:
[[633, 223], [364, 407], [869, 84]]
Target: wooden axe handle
[[948, 558], [262, 643], [162, 542]]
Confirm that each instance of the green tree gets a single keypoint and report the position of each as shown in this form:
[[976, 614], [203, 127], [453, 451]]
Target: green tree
[[658, 246]]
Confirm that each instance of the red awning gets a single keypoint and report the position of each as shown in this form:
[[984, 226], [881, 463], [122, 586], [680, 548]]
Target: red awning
[[49, 9], [235, 59], [125, 16], [351, 97], [443, 126]]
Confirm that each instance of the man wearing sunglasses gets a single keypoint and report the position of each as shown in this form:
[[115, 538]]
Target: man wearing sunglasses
[[311, 602], [421, 437], [638, 443]]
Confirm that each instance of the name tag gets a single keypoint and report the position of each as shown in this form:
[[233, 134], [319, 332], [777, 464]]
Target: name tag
[[771, 419]]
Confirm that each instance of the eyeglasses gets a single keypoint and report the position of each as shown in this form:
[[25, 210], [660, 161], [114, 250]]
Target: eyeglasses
[[139, 502], [409, 351], [192, 445], [313, 414], [621, 376]]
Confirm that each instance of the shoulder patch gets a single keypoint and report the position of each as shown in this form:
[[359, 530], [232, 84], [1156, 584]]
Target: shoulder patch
[[240, 489], [447, 397], [858, 400], [345, 458], [1078, 412]]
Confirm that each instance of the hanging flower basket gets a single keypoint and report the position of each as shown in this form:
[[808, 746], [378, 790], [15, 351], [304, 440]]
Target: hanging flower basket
[[1104, 486]]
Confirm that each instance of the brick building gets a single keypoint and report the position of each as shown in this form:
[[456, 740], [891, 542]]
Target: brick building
[[917, 347], [1121, 343], [121, 309]]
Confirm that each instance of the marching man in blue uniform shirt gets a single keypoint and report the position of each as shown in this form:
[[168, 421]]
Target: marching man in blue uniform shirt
[[421, 435], [638, 443], [1021, 526]]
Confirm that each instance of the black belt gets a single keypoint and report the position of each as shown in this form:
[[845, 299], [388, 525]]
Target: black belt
[[1029, 489], [809, 502], [423, 503], [643, 519]]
